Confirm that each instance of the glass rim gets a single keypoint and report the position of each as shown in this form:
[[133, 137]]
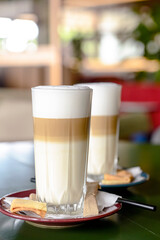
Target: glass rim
[[60, 88], [99, 84]]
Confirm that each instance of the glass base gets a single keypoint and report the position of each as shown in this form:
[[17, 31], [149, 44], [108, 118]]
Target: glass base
[[65, 209]]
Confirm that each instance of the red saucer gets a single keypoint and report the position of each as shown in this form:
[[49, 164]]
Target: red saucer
[[44, 222]]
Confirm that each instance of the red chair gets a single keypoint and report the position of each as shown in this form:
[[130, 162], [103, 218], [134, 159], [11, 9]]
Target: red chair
[[145, 94]]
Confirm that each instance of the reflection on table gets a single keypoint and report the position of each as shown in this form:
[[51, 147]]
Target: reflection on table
[[17, 167]]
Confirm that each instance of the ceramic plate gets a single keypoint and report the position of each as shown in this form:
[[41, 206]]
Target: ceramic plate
[[141, 178], [52, 223]]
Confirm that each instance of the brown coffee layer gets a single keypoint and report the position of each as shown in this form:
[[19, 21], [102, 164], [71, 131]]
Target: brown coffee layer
[[60, 130], [104, 125]]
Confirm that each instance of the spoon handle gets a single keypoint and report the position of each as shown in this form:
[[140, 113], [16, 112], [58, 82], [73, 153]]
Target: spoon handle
[[137, 204]]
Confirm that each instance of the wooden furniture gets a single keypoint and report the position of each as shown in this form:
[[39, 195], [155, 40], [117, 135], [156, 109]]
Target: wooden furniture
[[48, 56]]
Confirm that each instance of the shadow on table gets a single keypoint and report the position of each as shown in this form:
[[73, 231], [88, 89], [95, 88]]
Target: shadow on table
[[91, 230]]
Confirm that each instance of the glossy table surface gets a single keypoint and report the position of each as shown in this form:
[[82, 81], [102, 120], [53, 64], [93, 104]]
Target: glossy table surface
[[17, 167]]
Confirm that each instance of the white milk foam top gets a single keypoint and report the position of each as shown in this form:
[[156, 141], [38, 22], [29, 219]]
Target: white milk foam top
[[61, 101], [106, 98]]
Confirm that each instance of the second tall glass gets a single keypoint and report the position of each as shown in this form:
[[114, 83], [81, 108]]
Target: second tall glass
[[104, 134]]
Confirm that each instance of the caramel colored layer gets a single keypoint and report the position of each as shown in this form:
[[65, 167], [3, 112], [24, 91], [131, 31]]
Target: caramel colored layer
[[60, 130], [104, 125]]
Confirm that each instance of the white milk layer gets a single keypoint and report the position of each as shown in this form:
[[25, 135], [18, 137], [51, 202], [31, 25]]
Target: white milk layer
[[61, 101], [56, 182], [103, 149], [106, 98]]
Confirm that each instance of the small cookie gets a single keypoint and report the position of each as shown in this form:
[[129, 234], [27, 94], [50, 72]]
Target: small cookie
[[19, 204], [115, 179], [124, 173]]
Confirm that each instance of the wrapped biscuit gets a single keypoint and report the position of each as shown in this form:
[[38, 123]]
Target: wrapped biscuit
[[90, 202]]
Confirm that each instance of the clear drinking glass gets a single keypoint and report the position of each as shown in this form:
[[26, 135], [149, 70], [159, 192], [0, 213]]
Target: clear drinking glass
[[61, 116], [104, 134]]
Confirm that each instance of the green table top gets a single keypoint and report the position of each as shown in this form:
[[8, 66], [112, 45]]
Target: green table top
[[17, 167]]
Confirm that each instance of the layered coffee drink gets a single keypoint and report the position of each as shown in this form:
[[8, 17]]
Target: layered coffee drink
[[61, 117], [103, 143], [104, 131]]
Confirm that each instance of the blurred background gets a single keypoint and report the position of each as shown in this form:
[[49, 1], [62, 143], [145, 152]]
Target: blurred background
[[70, 41]]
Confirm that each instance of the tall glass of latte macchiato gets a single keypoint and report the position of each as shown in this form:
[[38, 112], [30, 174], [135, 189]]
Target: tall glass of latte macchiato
[[104, 134], [61, 116]]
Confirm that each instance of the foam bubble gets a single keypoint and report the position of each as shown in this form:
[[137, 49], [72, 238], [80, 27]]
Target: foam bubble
[[61, 101], [106, 98]]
